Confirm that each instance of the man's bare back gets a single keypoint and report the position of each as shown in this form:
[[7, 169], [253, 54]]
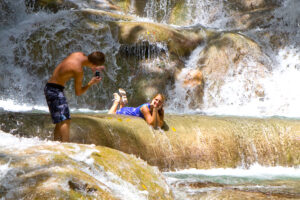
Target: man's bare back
[[70, 67]]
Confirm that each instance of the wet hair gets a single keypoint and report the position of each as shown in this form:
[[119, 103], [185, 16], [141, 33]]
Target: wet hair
[[97, 58]]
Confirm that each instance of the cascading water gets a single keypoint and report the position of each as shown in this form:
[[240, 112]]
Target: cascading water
[[19, 75], [238, 94], [39, 41], [33, 43], [207, 13], [36, 44]]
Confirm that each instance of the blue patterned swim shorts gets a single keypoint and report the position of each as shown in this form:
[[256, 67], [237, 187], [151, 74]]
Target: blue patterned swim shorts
[[57, 102]]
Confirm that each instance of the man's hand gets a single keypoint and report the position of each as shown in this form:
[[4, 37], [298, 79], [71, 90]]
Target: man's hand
[[94, 80]]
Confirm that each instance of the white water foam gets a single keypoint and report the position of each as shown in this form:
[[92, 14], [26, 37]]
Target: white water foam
[[121, 188], [281, 94], [4, 169], [254, 171], [8, 141], [13, 106], [207, 13]]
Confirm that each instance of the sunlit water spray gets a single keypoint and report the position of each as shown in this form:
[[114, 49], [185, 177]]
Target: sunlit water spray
[[12, 145], [234, 98], [37, 43], [281, 96], [246, 93], [238, 96], [158, 10], [210, 13], [179, 100]]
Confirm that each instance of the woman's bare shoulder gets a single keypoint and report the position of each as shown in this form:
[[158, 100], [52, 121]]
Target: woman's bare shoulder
[[145, 108]]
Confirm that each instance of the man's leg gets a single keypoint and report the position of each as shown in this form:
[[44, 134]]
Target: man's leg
[[62, 131]]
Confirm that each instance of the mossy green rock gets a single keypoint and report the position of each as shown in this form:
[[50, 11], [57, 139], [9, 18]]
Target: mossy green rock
[[185, 141], [229, 55], [52, 170], [179, 42], [179, 13], [52, 5]]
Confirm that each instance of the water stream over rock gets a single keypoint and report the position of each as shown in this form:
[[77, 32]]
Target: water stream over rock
[[230, 71]]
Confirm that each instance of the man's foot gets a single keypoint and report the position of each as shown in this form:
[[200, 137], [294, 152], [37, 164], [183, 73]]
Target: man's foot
[[123, 95], [117, 97]]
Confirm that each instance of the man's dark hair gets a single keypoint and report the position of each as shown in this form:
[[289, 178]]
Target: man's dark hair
[[97, 58]]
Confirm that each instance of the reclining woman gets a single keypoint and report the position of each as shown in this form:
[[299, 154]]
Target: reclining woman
[[152, 113]]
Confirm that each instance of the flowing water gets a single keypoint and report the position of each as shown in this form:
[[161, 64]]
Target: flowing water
[[26, 34], [278, 181], [11, 179]]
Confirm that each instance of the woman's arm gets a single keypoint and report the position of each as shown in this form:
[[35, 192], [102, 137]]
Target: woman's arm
[[155, 119]]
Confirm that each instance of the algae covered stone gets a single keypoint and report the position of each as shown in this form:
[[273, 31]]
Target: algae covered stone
[[35, 169]]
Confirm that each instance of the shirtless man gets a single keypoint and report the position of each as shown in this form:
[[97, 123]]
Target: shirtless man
[[70, 67]]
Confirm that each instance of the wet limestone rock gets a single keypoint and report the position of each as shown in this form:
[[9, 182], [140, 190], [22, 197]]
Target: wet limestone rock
[[193, 83], [251, 19], [51, 5], [230, 55], [249, 14], [244, 5], [131, 6], [226, 51], [56, 5], [179, 14], [240, 14], [186, 141], [52, 170], [137, 32]]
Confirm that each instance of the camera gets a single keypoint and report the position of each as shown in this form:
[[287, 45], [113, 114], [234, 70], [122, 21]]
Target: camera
[[97, 74]]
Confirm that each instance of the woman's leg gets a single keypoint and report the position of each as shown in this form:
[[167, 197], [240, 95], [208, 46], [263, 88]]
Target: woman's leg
[[114, 107], [123, 95]]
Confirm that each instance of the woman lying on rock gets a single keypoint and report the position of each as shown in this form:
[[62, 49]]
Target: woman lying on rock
[[152, 112]]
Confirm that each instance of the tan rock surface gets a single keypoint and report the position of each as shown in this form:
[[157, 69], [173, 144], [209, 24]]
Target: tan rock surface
[[186, 141], [44, 170], [229, 55]]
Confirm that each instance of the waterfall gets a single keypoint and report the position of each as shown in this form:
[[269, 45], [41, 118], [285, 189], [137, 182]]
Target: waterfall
[[279, 40], [33, 43], [229, 69]]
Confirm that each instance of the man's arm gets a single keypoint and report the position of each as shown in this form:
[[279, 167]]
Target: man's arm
[[79, 90]]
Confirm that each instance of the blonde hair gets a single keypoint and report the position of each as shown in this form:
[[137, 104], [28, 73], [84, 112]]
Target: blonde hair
[[162, 96], [163, 101]]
